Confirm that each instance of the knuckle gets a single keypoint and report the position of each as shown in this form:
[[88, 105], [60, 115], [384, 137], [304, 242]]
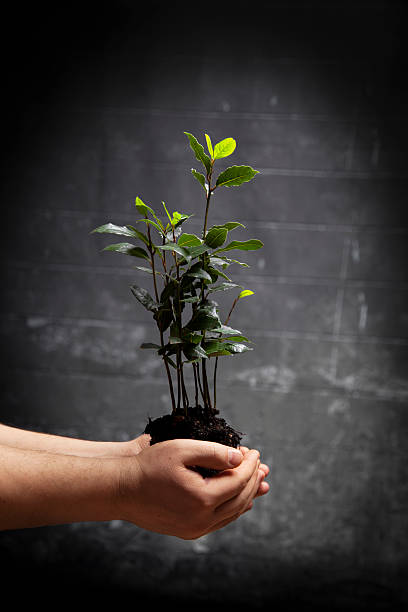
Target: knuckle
[[207, 501], [242, 483], [203, 500]]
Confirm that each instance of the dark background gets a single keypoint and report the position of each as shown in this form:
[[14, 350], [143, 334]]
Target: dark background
[[95, 101]]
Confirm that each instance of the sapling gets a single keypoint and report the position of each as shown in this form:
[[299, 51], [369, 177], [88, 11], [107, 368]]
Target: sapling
[[187, 270]]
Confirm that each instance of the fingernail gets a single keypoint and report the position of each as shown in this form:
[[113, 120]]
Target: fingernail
[[234, 457]]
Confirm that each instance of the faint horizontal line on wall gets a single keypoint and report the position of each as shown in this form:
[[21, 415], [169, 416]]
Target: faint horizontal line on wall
[[317, 390], [216, 114], [331, 338], [268, 279], [239, 115], [261, 224], [294, 172], [39, 320], [336, 174]]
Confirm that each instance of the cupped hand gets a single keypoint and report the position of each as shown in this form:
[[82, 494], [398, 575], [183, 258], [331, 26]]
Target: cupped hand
[[160, 492], [135, 446]]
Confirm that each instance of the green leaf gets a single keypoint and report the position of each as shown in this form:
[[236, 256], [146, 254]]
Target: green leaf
[[209, 306], [217, 273], [198, 272], [235, 175], [245, 293], [176, 223], [149, 345], [169, 290], [159, 228], [143, 269], [229, 226], [236, 347], [224, 148], [167, 213], [140, 235], [239, 338], [187, 240], [231, 261], [144, 298], [224, 287], [172, 246], [142, 207], [200, 178], [198, 250], [179, 218], [219, 261], [246, 245], [213, 346], [209, 145], [227, 331], [191, 338], [203, 320], [111, 228], [164, 316], [128, 249], [216, 237], [199, 152], [191, 300], [170, 361], [175, 340], [194, 351]]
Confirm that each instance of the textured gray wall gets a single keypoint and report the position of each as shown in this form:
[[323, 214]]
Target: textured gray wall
[[316, 98]]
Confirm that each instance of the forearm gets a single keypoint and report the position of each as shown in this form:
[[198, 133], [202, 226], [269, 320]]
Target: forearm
[[39, 488], [32, 440]]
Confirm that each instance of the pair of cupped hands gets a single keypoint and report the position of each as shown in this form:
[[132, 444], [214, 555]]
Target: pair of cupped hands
[[177, 500]]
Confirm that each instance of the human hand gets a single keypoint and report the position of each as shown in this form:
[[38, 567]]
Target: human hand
[[135, 446], [264, 486], [158, 491]]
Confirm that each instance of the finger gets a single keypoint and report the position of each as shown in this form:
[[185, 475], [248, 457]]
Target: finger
[[231, 519], [230, 483], [265, 468], [242, 500], [262, 489], [223, 523], [211, 455]]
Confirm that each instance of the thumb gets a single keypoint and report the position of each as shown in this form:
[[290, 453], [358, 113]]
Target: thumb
[[210, 455]]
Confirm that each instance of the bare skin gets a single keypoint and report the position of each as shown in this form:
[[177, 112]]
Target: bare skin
[[61, 481]]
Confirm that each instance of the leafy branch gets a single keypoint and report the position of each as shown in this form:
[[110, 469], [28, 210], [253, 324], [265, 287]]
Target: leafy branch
[[188, 319]]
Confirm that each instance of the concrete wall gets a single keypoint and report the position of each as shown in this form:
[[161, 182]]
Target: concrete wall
[[96, 102]]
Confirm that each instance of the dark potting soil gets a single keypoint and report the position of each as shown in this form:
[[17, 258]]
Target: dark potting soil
[[197, 425]]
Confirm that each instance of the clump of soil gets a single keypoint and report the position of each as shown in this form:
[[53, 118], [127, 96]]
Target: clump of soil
[[197, 424]]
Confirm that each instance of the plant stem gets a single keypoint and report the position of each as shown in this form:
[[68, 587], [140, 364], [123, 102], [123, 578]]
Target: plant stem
[[215, 384], [209, 192], [156, 293], [206, 388], [216, 359], [178, 379], [184, 391], [199, 382], [195, 385], [206, 394]]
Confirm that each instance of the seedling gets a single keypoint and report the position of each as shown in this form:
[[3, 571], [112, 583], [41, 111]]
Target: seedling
[[187, 270]]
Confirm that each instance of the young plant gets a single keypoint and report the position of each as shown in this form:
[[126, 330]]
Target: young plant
[[187, 270]]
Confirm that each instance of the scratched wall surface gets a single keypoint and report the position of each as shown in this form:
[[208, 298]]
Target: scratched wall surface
[[316, 98]]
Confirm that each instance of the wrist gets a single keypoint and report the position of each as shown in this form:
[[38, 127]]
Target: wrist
[[126, 479]]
